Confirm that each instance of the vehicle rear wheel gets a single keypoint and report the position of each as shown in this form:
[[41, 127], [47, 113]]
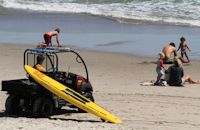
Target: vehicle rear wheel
[[12, 105], [43, 107]]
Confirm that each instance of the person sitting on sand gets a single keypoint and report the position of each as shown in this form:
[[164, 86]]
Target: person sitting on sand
[[160, 69], [168, 50], [38, 66], [184, 47], [48, 36], [176, 74]]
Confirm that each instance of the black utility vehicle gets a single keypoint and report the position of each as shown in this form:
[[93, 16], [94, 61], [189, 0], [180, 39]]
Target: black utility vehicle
[[28, 97]]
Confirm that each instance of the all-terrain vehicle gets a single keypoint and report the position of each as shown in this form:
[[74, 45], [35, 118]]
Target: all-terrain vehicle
[[27, 96]]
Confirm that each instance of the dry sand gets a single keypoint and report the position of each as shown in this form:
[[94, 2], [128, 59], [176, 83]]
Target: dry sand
[[116, 80]]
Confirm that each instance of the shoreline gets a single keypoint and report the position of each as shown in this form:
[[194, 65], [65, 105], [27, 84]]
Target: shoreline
[[96, 33], [149, 58], [81, 49]]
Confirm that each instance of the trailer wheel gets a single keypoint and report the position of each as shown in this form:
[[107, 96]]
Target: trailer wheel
[[43, 107], [12, 105]]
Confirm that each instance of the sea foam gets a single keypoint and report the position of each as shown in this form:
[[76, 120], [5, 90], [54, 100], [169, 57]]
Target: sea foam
[[135, 11]]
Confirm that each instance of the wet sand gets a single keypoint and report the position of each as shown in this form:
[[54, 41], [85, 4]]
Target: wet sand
[[95, 33]]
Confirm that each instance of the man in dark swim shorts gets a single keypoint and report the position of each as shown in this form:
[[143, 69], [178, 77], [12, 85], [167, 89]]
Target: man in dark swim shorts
[[170, 53], [168, 50], [166, 60]]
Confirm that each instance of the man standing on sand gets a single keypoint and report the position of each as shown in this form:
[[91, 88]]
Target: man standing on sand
[[49, 35], [168, 50]]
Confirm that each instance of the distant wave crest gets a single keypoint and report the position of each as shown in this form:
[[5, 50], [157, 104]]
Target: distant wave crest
[[175, 12]]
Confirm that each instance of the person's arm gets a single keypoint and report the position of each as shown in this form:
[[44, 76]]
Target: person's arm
[[57, 40], [40, 68], [179, 47], [182, 73], [188, 47], [175, 52], [162, 64], [167, 74]]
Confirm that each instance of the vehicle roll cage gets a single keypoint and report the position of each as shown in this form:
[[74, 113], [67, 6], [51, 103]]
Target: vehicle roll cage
[[48, 51]]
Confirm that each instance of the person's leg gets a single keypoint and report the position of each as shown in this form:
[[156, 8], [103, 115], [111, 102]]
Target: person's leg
[[182, 54], [187, 57], [47, 40], [159, 77], [189, 79], [183, 61]]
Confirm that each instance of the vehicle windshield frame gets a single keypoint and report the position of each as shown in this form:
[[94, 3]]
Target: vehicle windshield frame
[[51, 51]]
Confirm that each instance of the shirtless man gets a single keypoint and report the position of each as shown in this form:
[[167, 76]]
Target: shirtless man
[[184, 47], [168, 50], [49, 35]]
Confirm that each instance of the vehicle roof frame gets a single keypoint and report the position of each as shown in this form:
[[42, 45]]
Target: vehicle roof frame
[[54, 50]]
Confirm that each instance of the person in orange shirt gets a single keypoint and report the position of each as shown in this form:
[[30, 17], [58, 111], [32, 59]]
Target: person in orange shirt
[[38, 66], [48, 36]]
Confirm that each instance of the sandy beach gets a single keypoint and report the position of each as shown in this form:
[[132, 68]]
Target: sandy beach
[[116, 80], [119, 41]]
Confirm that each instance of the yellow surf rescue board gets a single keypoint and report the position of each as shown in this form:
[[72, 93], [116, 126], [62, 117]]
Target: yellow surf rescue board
[[70, 95]]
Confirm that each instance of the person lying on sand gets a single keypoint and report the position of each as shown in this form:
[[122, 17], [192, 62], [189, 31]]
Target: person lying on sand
[[48, 36]]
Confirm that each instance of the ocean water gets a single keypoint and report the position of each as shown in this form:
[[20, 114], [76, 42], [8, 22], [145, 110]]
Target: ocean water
[[175, 12], [140, 27]]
